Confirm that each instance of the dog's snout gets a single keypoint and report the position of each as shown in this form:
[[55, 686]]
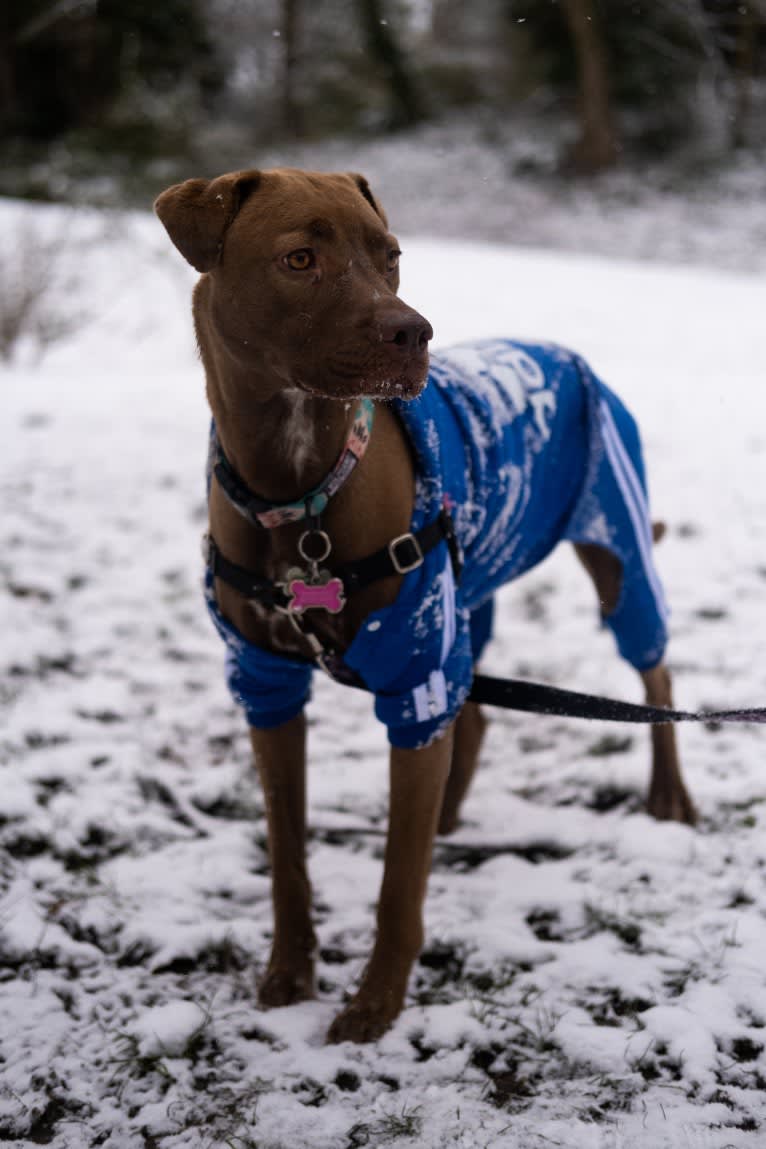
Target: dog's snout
[[409, 333]]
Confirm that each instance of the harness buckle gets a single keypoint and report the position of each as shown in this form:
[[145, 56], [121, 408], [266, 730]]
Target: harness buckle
[[406, 553]]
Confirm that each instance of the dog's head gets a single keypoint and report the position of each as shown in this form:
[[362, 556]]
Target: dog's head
[[299, 281]]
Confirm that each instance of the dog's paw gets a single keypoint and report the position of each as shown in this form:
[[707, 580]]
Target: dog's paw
[[363, 1020], [284, 985], [672, 805], [448, 822]]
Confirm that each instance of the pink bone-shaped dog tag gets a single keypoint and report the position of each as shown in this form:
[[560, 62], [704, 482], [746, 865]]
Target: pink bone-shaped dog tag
[[327, 596]]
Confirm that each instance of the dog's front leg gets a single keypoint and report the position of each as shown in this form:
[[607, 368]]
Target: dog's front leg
[[418, 779], [280, 756]]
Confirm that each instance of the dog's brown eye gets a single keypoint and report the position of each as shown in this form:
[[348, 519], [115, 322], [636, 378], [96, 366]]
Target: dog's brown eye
[[301, 260], [393, 258]]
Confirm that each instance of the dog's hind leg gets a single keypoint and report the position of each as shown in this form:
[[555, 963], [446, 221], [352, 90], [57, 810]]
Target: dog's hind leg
[[668, 798], [469, 734], [280, 756]]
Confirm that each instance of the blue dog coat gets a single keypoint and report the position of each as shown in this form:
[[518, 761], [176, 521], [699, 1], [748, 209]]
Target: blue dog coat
[[527, 447]]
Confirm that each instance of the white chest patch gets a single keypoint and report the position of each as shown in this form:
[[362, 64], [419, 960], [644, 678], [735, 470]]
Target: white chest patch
[[297, 433]]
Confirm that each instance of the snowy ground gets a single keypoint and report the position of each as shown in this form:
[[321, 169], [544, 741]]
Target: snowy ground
[[591, 979]]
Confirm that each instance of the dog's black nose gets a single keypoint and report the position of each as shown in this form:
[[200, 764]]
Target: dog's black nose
[[409, 332]]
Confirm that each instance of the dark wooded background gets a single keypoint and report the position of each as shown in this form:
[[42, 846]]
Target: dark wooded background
[[134, 89]]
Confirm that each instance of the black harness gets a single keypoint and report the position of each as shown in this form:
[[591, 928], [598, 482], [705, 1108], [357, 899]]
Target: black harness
[[402, 555]]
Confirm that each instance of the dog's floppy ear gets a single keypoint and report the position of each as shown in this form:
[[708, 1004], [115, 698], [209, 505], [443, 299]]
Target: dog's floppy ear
[[197, 213], [364, 188]]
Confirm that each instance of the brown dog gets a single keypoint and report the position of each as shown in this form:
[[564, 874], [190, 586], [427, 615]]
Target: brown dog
[[297, 315]]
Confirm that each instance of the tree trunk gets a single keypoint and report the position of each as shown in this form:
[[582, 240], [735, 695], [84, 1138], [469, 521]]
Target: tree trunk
[[383, 47], [292, 112], [597, 147], [747, 36], [8, 106]]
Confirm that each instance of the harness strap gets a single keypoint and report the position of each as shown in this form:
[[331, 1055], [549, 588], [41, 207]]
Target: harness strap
[[401, 555], [262, 590]]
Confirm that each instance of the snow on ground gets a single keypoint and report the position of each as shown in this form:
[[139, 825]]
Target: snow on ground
[[591, 979]]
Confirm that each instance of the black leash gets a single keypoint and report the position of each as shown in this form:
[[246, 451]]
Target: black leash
[[536, 698]]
